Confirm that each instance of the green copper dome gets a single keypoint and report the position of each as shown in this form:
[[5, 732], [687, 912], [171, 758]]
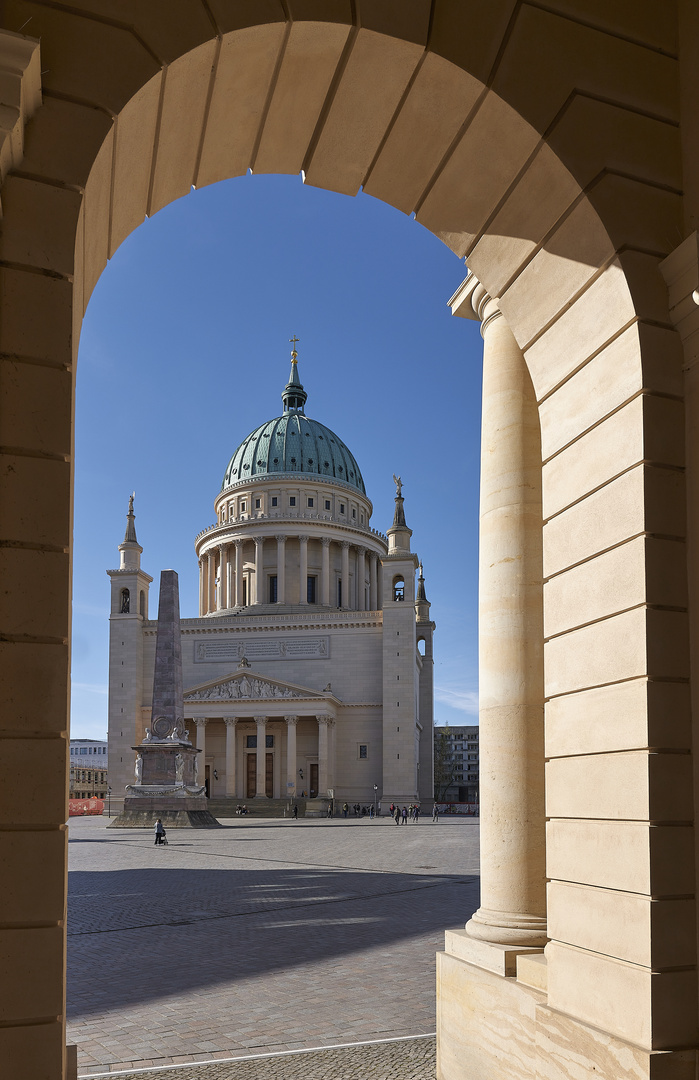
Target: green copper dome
[[293, 443]]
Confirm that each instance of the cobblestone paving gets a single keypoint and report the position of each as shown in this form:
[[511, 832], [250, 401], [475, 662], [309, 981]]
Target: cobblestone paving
[[409, 1059], [263, 936]]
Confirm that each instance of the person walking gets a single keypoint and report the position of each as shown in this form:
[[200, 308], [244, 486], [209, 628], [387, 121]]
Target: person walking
[[392, 810], [159, 833], [295, 812], [330, 809], [416, 813], [435, 812], [405, 815], [345, 809], [397, 815]]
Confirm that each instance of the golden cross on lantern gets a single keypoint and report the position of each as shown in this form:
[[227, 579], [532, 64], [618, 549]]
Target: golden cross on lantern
[[294, 340]]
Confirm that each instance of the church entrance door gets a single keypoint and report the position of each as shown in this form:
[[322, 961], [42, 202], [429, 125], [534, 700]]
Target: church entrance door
[[313, 790], [269, 776], [251, 776]]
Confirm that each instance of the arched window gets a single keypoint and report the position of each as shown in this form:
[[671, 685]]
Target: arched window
[[142, 604], [421, 646], [125, 602], [399, 587]]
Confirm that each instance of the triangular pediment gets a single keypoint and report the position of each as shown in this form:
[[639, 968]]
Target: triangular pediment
[[247, 685]]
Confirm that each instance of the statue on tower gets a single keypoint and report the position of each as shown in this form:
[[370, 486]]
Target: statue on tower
[[399, 485]]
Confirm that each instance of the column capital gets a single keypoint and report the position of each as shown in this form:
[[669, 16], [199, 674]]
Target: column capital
[[361, 551], [472, 301], [230, 721], [303, 539], [238, 541], [325, 719], [291, 721], [260, 719], [344, 544], [259, 539], [222, 547], [201, 721], [281, 539], [325, 541]]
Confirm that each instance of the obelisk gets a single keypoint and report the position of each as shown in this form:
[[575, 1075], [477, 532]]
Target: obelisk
[[166, 765]]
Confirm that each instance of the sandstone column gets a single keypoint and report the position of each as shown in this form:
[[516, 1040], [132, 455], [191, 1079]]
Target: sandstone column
[[261, 722], [303, 569], [201, 722], [202, 589], [344, 574], [259, 569], [222, 593], [230, 722], [291, 722], [238, 573], [281, 569], [325, 571], [373, 582], [513, 897], [211, 583], [361, 574], [323, 727]]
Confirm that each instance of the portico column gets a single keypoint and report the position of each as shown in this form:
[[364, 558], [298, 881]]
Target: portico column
[[223, 564], [238, 573], [211, 605], [361, 573], [513, 896], [202, 588], [261, 722], [325, 571], [303, 569], [291, 722], [230, 722], [259, 570], [344, 574], [281, 569], [323, 726], [373, 582], [230, 596], [201, 722]]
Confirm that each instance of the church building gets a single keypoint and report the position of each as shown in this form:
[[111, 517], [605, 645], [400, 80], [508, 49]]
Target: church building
[[308, 672]]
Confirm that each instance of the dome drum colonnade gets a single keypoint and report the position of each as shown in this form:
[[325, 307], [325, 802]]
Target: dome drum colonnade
[[565, 192]]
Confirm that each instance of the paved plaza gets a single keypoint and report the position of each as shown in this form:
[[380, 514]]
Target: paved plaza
[[262, 937]]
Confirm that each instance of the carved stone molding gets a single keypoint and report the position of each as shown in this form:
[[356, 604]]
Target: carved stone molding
[[291, 721]]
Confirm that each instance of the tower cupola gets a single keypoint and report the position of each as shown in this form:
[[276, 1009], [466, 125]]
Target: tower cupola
[[399, 534], [130, 550]]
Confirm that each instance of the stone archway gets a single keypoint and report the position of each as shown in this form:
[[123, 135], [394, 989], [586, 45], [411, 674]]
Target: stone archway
[[563, 194]]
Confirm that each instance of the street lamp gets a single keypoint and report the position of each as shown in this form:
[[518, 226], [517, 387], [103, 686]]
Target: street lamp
[[109, 801], [375, 790]]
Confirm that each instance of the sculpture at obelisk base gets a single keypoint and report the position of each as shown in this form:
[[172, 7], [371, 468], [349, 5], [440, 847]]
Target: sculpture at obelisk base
[[166, 768]]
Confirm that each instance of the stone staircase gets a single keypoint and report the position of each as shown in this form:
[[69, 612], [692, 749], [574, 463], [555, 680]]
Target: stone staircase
[[268, 808]]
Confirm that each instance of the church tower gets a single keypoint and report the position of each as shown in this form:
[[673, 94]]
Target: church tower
[[424, 630], [128, 613], [401, 727]]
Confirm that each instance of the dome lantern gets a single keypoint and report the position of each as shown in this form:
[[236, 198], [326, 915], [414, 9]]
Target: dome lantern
[[294, 396]]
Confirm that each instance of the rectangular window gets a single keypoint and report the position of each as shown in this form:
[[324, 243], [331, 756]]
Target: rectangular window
[[269, 741], [245, 592], [310, 502], [242, 507], [251, 742], [311, 590], [363, 750], [274, 500], [327, 504], [258, 504], [292, 500], [83, 749], [339, 592], [342, 508], [273, 589], [354, 513]]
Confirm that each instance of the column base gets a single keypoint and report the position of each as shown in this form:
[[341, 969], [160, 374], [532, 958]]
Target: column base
[[500, 1027], [508, 928]]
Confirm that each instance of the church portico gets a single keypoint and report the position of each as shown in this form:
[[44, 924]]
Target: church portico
[[253, 747]]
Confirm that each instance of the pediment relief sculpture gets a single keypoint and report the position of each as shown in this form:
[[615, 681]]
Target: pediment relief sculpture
[[243, 688]]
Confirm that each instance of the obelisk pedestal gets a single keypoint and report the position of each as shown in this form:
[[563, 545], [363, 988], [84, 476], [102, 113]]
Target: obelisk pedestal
[[166, 767]]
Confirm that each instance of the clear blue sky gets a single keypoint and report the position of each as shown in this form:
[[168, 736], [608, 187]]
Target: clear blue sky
[[185, 349]]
